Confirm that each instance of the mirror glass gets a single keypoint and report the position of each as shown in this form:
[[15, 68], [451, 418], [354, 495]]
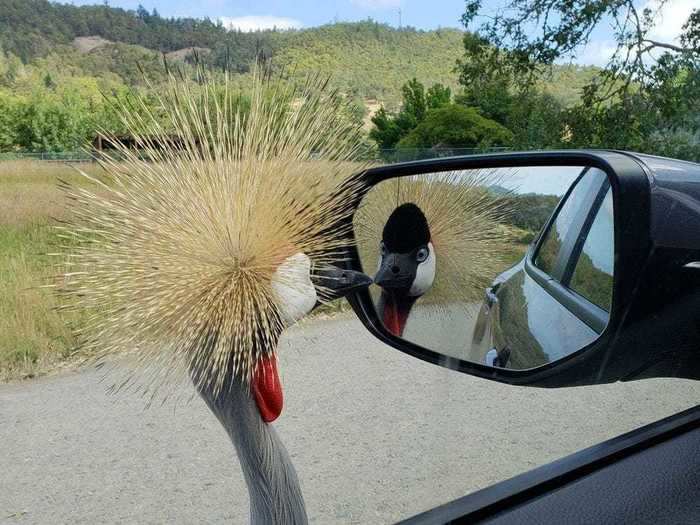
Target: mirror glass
[[508, 267]]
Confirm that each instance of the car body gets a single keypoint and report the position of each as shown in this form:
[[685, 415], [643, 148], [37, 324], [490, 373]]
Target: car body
[[540, 307], [639, 320]]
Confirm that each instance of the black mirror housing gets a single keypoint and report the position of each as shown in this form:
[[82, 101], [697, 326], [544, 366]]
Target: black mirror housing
[[653, 328]]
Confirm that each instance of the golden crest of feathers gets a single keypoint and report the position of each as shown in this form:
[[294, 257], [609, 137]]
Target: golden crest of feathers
[[173, 251], [465, 222]]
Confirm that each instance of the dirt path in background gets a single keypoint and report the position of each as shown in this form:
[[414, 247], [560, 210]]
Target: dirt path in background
[[375, 435]]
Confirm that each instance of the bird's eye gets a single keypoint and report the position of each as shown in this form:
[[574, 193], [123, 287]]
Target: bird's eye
[[422, 255]]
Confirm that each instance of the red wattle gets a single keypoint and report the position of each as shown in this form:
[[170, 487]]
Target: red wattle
[[267, 388], [391, 320], [394, 315]]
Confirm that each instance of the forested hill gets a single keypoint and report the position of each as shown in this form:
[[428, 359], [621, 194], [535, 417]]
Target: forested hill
[[368, 60]]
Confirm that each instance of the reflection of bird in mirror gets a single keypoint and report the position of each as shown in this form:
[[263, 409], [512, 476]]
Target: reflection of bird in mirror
[[436, 239], [194, 254], [406, 265]]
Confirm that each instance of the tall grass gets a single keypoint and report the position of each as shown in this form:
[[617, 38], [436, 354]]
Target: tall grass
[[33, 334]]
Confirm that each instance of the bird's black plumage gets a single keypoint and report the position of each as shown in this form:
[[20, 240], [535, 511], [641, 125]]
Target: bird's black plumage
[[406, 229]]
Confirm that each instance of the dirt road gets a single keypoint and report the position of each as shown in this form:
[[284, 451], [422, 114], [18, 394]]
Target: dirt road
[[375, 436]]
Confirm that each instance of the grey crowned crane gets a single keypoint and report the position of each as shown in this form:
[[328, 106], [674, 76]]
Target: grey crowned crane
[[435, 238], [247, 411], [407, 265], [194, 253]]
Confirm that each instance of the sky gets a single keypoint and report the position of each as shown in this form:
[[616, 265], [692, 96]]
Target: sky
[[422, 14], [545, 180]]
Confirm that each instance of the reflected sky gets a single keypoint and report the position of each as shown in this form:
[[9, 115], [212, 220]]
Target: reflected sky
[[600, 243], [543, 180], [547, 180], [555, 328]]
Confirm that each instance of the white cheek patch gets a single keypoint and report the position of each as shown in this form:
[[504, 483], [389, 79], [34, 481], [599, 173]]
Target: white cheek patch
[[425, 274], [292, 287]]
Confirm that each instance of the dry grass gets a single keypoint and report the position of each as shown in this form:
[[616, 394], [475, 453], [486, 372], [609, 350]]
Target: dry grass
[[29, 190], [33, 335], [85, 44]]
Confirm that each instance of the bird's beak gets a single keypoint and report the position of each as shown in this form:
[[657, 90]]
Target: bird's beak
[[336, 282], [392, 273]]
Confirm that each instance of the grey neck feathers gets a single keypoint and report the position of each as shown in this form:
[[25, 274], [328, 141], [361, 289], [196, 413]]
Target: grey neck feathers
[[273, 486]]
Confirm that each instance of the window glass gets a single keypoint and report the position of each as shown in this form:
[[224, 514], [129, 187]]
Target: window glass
[[567, 218], [593, 276]]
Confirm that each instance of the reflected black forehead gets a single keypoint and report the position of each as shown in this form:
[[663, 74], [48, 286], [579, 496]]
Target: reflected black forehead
[[406, 229]]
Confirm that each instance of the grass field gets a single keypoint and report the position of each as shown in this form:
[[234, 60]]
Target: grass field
[[33, 335]]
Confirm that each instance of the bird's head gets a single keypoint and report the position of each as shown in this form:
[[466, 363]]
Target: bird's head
[[212, 243], [297, 285], [407, 263]]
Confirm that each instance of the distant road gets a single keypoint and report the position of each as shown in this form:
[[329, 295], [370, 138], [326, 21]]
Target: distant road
[[445, 328], [375, 435]]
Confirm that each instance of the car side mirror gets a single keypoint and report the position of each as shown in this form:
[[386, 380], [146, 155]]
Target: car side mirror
[[545, 269]]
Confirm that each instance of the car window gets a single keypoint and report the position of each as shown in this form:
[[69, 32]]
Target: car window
[[593, 275], [569, 219]]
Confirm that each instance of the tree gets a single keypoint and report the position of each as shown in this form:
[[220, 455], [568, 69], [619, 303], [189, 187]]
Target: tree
[[493, 97], [647, 98], [142, 13], [660, 117], [535, 119], [389, 129], [414, 105], [527, 36], [386, 132], [10, 68], [438, 95], [530, 211], [63, 118], [8, 120], [48, 81], [456, 126]]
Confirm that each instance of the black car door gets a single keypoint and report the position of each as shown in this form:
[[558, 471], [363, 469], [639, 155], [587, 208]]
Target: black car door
[[558, 297]]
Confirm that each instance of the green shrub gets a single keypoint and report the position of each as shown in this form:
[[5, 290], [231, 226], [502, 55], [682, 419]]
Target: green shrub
[[456, 126]]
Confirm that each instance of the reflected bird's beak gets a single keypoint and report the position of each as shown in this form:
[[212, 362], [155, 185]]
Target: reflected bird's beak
[[391, 274]]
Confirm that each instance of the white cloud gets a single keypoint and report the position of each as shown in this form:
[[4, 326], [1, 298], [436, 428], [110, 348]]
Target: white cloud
[[255, 23], [670, 19], [596, 53], [669, 22], [377, 4]]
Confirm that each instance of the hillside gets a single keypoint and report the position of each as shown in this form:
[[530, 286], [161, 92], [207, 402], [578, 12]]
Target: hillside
[[373, 61], [367, 60]]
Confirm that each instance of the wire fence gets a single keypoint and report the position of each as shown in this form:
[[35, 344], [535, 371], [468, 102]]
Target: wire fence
[[49, 156], [387, 156], [391, 156]]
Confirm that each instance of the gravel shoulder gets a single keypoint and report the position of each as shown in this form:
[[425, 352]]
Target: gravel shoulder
[[375, 435]]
